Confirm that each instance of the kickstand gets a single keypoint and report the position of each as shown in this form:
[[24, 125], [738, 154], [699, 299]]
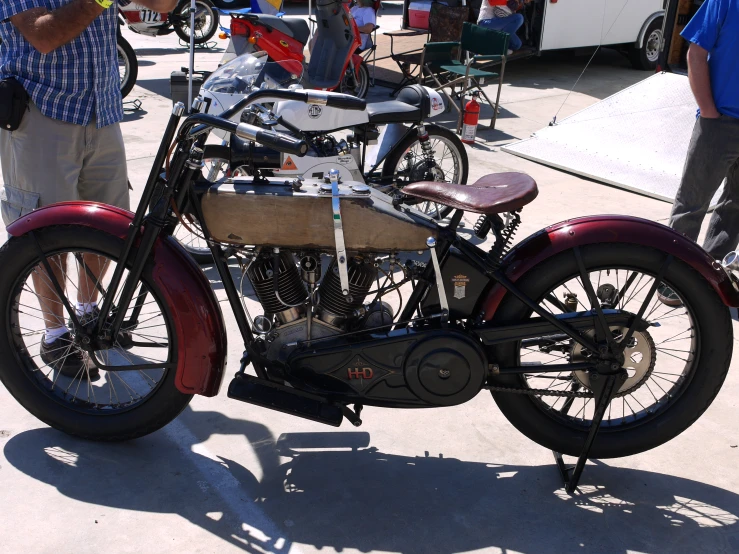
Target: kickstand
[[605, 389], [132, 105]]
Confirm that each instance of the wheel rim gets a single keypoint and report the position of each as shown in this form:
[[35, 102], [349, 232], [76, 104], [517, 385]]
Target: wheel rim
[[204, 20], [353, 85], [124, 66], [216, 171], [148, 340], [652, 45], [661, 363], [412, 168], [192, 238]]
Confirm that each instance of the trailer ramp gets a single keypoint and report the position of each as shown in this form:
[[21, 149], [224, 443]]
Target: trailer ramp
[[636, 139]]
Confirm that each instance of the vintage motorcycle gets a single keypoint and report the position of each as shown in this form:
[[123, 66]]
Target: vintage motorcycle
[[388, 145], [144, 21], [568, 330]]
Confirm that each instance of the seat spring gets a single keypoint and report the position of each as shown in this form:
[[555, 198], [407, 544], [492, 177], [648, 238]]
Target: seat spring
[[504, 236]]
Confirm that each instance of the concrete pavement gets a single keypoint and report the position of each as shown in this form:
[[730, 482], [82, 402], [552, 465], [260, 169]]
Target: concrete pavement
[[229, 477]]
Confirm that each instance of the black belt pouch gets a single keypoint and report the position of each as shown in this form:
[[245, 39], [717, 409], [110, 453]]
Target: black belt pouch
[[13, 104]]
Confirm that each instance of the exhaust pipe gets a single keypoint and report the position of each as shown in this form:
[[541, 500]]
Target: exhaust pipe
[[731, 264]]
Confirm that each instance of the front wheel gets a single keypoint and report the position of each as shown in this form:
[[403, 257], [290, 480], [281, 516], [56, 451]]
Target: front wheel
[[676, 364], [52, 366], [407, 163], [206, 21], [128, 66]]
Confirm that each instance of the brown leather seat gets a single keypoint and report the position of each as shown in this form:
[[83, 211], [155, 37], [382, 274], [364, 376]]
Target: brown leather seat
[[491, 194]]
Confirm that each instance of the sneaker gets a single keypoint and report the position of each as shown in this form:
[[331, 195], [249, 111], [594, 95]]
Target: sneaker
[[125, 338], [67, 359], [668, 296]]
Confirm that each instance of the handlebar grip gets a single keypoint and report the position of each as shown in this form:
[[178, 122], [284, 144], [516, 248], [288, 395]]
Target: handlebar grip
[[282, 142], [346, 102]]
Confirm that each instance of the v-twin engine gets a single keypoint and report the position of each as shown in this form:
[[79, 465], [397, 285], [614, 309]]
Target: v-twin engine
[[306, 317], [283, 291]]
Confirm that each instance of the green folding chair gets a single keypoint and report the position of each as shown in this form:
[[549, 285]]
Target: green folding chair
[[482, 46]]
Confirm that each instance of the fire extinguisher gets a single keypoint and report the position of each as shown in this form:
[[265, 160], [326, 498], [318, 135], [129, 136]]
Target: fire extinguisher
[[470, 119]]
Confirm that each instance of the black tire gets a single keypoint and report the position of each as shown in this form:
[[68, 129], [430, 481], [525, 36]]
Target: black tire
[[155, 410], [201, 253], [362, 82], [127, 55], [182, 11], [646, 58], [695, 393], [394, 158]]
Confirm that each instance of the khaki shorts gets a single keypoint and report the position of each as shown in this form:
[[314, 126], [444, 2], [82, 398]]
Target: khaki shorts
[[46, 161]]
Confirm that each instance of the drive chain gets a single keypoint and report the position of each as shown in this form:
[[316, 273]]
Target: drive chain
[[541, 392]]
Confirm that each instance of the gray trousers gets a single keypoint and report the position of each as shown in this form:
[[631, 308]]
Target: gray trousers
[[46, 161], [712, 156]]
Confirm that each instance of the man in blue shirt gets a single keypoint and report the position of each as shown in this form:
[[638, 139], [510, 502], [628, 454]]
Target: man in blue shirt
[[713, 70], [713, 154], [69, 144]]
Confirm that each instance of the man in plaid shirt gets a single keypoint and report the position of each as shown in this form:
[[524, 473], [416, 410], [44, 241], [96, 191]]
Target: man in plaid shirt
[[69, 144]]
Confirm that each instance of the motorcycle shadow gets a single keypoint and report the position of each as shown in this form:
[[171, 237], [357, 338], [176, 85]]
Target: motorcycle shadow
[[336, 490]]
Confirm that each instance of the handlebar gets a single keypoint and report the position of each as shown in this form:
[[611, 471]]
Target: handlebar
[[273, 139], [334, 100], [279, 141]]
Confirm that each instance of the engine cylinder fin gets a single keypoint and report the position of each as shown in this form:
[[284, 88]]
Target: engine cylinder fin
[[332, 303], [289, 285]]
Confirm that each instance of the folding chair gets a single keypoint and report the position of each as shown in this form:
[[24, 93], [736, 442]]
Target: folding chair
[[445, 24], [481, 45]]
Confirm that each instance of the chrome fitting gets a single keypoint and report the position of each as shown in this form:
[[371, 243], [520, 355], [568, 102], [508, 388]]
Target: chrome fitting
[[178, 109]]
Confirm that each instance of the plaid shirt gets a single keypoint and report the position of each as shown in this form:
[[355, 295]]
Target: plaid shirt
[[76, 81]]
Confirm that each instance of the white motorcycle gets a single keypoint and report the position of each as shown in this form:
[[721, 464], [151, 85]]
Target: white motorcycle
[[151, 23], [386, 146]]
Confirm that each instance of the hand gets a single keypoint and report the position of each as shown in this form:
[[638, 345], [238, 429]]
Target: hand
[[710, 114]]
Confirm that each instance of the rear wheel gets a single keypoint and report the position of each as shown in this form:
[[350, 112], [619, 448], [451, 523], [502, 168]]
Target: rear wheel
[[115, 403], [356, 84], [206, 21], [675, 367], [128, 66], [647, 56], [407, 163]]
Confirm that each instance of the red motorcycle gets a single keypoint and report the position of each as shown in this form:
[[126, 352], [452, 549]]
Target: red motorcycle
[[600, 336], [335, 63]]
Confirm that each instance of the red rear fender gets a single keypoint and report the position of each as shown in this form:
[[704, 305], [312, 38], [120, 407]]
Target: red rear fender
[[201, 334], [603, 229]]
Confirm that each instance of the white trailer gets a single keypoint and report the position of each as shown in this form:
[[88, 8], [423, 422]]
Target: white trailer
[[634, 26]]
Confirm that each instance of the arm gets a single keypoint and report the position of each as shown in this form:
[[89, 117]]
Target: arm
[[366, 29], [48, 30], [159, 5], [700, 81]]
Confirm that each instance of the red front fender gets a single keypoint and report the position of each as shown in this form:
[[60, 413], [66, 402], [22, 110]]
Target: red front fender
[[201, 334], [609, 228]]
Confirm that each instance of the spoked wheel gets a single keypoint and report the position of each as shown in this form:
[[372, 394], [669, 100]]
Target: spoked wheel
[[114, 389], [206, 21], [216, 160], [407, 163], [675, 365], [128, 66], [356, 84]]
